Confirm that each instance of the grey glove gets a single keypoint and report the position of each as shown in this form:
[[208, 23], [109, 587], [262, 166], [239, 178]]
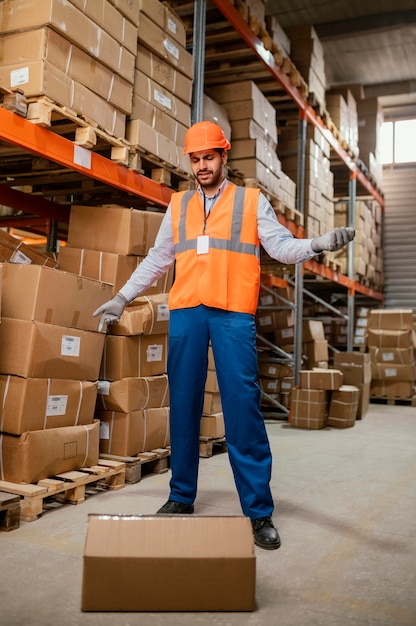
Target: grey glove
[[110, 311], [333, 240]]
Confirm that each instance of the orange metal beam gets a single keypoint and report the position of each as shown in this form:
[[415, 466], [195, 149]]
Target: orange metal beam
[[345, 281], [37, 140], [241, 26]]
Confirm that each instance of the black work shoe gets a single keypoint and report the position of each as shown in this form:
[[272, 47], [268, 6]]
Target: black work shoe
[[175, 508], [265, 534]]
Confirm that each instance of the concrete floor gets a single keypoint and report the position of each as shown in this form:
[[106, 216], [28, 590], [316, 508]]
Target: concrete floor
[[345, 509]]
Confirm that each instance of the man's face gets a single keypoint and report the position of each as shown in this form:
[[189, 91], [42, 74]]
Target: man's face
[[207, 167]]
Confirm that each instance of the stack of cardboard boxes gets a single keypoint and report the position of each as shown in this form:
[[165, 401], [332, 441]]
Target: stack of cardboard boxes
[[80, 54], [391, 344], [254, 139], [133, 403], [319, 180], [49, 364], [212, 421], [323, 400], [161, 111]]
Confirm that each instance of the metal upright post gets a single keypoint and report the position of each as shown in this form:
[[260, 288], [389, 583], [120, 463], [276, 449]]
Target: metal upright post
[[352, 185], [198, 52], [300, 201]]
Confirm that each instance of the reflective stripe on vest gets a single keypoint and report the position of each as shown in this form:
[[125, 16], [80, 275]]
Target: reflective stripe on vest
[[233, 244]]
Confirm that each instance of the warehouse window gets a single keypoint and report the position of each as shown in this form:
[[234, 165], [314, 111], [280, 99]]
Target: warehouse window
[[398, 142]]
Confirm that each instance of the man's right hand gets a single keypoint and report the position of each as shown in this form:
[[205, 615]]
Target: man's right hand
[[110, 311]]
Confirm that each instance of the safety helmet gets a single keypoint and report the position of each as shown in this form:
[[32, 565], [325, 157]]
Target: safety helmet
[[205, 136]]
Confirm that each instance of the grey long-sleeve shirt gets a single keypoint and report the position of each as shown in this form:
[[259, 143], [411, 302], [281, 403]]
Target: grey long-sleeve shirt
[[275, 238]]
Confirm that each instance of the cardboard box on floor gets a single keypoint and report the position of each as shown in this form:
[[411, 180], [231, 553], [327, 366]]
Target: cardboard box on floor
[[37, 350], [343, 407], [208, 564], [113, 229], [39, 454], [309, 408], [133, 394], [212, 426], [356, 368], [52, 296], [128, 434], [40, 403]]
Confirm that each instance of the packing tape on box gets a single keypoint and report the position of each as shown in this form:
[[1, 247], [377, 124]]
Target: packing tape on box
[[6, 389], [1, 457]]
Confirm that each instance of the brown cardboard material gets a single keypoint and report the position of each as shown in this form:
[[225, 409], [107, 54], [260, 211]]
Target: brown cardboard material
[[113, 229], [41, 454], [396, 356], [315, 351], [212, 403], [37, 350], [161, 98], [212, 426], [163, 15], [129, 434], [124, 557], [392, 389], [145, 316], [390, 371], [391, 319], [158, 120], [164, 74], [14, 250], [45, 45], [356, 368], [155, 38], [74, 25], [343, 407], [133, 394], [40, 403], [52, 296], [382, 338], [108, 267], [211, 383], [321, 379], [309, 408], [111, 20], [313, 330], [134, 356]]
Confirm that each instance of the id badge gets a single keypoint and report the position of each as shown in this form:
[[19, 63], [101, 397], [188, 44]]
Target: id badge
[[202, 246]]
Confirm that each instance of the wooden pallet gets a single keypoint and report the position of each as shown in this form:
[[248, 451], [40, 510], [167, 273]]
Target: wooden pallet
[[208, 446], [9, 511], [68, 487], [152, 462], [393, 400]]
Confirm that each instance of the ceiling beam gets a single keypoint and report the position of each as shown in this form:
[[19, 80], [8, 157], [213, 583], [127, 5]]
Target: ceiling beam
[[390, 89], [368, 23]]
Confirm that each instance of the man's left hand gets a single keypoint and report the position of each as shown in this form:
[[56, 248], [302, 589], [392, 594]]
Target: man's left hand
[[333, 240]]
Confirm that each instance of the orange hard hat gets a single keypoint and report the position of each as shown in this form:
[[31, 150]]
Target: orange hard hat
[[205, 136]]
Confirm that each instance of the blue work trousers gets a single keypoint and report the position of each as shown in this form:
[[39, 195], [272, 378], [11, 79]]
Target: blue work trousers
[[233, 339]]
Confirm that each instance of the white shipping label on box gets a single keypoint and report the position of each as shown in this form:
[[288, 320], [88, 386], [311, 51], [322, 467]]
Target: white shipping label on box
[[104, 430], [70, 346], [388, 356], [162, 99], [103, 387], [19, 257], [162, 313], [154, 353], [265, 321], [19, 76], [171, 48], [56, 405]]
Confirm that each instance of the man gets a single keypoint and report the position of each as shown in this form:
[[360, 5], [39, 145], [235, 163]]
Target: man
[[214, 236]]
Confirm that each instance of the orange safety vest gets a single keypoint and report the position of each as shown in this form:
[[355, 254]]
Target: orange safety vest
[[228, 276]]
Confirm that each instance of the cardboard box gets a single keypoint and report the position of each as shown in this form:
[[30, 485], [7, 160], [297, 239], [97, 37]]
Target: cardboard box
[[317, 378], [163, 74], [133, 394], [391, 319], [135, 356], [161, 98], [158, 120], [315, 352], [212, 403], [308, 408], [343, 407], [392, 389], [212, 426], [382, 338], [37, 350], [145, 316], [40, 403], [381, 371], [111, 268], [356, 369], [397, 356], [313, 330], [165, 17], [129, 434], [153, 37], [52, 296], [111, 20], [113, 229], [41, 454], [14, 250], [45, 45], [74, 25], [198, 574], [211, 383]]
